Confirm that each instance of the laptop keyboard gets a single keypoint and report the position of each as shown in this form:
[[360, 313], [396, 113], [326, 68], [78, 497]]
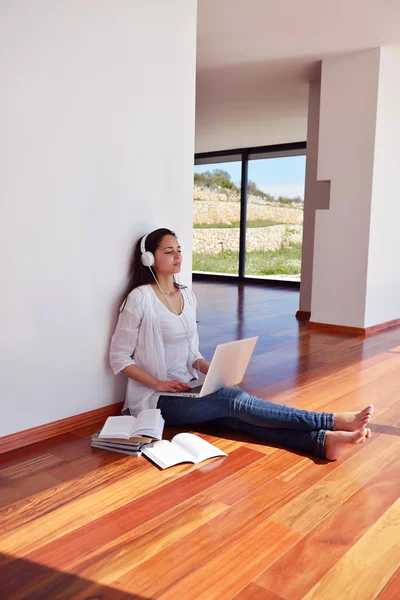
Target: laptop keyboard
[[196, 390]]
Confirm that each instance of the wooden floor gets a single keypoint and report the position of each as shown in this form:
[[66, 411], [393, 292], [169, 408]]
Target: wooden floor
[[263, 523]]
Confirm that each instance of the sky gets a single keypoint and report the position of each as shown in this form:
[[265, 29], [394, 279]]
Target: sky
[[276, 176]]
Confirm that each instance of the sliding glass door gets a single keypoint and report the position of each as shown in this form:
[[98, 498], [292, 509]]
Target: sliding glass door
[[248, 212], [274, 217]]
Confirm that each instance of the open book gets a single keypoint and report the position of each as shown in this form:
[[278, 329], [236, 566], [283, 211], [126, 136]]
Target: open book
[[148, 423], [184, 447]]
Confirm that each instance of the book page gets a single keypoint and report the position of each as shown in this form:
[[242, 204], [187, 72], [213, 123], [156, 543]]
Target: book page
[[148, 421], [118, 427], [165, 454], [198, 448]]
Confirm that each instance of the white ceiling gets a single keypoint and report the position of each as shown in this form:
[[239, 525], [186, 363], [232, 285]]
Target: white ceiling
[[284, 38]]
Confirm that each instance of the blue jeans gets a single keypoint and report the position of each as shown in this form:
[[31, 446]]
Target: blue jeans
[[234, 408]]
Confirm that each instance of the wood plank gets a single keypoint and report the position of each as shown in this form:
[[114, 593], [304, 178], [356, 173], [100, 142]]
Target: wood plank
[[312, 470], [68, 446], [112, 477], [207, 542], [307, 472], [115, 511], [94, 461], [121, 553], [327, 381], [230, 439], [261, 445], [65, 447], [29, 467], [367, 567], [353, 388], [65, 580], [225, 575], [297, 571], [306, 346], [245, 482], [381, 393], [256, 592], [14, 457], [391, 589], [315, 503], [24, 488]]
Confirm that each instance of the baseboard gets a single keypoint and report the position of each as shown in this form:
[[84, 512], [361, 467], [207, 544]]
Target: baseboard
[[303, 315], [382, 326], [49, 430], [336, 328], [365, 331]]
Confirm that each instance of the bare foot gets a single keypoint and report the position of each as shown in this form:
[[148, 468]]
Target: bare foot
[[353, 421], [337, 441]]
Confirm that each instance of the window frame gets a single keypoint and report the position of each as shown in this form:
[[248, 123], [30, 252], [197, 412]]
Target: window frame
[[244, 155]]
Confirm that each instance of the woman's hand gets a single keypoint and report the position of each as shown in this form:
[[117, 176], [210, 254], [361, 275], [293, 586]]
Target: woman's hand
[[172, 386]]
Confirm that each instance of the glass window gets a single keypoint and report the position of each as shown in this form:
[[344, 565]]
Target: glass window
[[216, 216], [274, 216]]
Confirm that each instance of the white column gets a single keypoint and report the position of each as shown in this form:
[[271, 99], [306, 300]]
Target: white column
[[383, 273], [348, 117], [316, 195]]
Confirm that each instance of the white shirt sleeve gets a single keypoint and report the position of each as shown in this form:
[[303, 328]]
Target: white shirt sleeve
[[124, 340]]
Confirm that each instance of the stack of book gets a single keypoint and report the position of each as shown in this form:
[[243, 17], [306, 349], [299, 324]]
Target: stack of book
[[143, 434], [129, 435]]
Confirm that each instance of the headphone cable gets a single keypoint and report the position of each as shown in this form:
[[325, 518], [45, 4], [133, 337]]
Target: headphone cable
[[187, 329]]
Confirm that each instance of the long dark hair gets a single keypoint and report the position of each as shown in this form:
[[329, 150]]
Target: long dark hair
[[139, 274]]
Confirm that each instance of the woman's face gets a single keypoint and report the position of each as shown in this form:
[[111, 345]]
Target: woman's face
[[168, 257]]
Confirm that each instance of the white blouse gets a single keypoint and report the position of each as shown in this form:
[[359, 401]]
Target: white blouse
[[138, 340], [175, 334]]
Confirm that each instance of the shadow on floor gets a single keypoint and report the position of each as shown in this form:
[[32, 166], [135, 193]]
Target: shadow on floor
[[23, 578], [389, 429]]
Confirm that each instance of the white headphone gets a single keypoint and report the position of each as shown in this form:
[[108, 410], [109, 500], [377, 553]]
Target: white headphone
[[147, 257]]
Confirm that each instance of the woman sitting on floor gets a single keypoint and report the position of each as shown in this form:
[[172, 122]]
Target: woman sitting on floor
[[157, 346]]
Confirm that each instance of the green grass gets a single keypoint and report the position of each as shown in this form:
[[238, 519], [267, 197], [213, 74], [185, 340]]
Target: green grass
[[285, 261], [236, 224]]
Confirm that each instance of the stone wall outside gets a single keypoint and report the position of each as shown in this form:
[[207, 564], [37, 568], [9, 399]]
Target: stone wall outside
[[224, 195], [213, 240], [205, 211]]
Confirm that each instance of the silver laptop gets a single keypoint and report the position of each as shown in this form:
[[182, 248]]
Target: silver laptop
[[227, 368]]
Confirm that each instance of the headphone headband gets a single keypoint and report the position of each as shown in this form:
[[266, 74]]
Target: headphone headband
[[143, 244]]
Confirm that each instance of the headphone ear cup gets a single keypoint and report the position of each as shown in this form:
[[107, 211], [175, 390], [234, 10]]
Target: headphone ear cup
[[147, 259]]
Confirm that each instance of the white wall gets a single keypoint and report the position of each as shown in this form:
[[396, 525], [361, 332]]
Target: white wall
[[247, 109], [383, 283], [96, 148], [349, 89]]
